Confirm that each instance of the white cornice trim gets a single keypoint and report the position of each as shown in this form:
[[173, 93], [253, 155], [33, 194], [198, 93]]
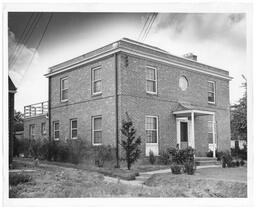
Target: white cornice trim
[[140, 54]]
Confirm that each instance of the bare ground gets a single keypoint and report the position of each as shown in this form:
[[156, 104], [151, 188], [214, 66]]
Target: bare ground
[[56, 181]]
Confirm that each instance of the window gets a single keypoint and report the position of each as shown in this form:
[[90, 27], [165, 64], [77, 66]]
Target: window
[[64, 89], [97, 130], [151, 126], [183, 83], [211, 92], [96, 80], [210, 132], [151, 80], [32, 131], [73, 128], [43, 129], [56, 130]]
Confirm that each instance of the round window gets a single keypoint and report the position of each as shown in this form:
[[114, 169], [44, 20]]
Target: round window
[[183, 83]]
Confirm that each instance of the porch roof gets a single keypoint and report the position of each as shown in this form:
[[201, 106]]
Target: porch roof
[[185, 109]]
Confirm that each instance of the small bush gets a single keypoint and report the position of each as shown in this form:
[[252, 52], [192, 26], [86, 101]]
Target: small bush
[[226, 160], [18, 178], [164, 158], [102, 154], [152, 158], [189, 167], [242, 162], [176, 169]]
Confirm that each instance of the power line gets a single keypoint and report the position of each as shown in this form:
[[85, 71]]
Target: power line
[[150, 21], [21, 37], [139, 37], [39, 43], [149, 27], [27, 36]]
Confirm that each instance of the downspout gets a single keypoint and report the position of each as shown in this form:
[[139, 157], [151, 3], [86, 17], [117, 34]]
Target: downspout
[[49, 107], [116, 110]]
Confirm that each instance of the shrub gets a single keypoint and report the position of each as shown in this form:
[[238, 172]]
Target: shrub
[[218, 154], [164, 158], [18, 178], [152, 158], [189, 167], [102, 154], [226, 159], [242, 162], [176, 169], [239, 153]]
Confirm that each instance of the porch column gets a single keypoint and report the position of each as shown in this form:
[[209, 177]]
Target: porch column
[[192, 129], [213, 135]]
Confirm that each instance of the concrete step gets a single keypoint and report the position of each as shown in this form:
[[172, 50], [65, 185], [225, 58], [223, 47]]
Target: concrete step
[[205, 158], [209, 162]]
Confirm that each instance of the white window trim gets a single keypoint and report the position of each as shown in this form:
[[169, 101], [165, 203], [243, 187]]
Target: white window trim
[[151, 92], [93, 81], [150, 116], [71, 128], [93, 118], [54, 130], [43, 132], [61, 89], [213, 131], [32, 133], [214, 92]]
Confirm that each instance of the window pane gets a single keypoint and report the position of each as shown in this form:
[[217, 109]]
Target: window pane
[[150, 74], [211, 86], [74, 134], [96, 74], [210, 126], [151, 86], [56, 126], [64, 94], [151, 136], [210, 138], [97, 137], [64, 83], [210, 97], [57, 133], [74, 124], [97, 86], [97, 123]]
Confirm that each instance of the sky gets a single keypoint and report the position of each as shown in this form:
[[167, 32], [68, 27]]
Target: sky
[[218, 39]]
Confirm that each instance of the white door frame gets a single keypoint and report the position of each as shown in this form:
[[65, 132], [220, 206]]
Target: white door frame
[[185, 119]]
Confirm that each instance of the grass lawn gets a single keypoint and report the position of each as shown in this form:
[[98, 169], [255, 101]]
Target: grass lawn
[[207, 182], [56, 181]]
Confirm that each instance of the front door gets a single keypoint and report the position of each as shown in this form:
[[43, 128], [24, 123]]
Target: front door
[[183, 134]]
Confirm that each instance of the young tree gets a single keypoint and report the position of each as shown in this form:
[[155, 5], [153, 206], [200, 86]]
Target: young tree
[[239, 117], [130, 144]]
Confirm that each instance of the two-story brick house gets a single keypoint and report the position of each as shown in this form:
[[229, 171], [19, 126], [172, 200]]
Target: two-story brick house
[[172, 100]]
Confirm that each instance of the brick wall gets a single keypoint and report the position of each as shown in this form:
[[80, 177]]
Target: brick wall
[[37, 121]]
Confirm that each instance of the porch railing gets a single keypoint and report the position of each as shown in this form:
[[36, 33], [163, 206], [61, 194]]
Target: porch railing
[[37, 109]]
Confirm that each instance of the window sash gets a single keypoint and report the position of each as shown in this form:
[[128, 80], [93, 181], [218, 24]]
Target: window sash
[[211, 92], [96, 133], [32, 131], [56, 130], [73, 130], [151, 127], [151, 80], [96, 79], [64, 89], [43, 128], [210, 128]]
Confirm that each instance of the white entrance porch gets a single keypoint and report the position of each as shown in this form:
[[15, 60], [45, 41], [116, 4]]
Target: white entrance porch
[[185, 127]]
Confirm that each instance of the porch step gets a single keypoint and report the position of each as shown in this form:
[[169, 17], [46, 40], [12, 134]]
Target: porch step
[[207, 162]]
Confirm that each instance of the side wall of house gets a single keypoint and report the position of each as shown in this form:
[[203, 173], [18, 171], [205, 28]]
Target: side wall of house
[[37, 121], [138, 103], [82, 105]]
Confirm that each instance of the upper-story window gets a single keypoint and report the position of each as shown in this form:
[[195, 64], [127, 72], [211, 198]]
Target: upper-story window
[[64, 89], [73, 128], [211, 92], [96, 81], [183, 83], [151, 80]]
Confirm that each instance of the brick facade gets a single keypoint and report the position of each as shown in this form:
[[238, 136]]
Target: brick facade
[[37, 122], [131, 63]]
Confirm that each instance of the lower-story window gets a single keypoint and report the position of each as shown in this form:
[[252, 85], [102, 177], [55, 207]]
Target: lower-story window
[[32, 131], [210, 132], [151, 126], [97, 130], [73, 128], [56, 130]]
